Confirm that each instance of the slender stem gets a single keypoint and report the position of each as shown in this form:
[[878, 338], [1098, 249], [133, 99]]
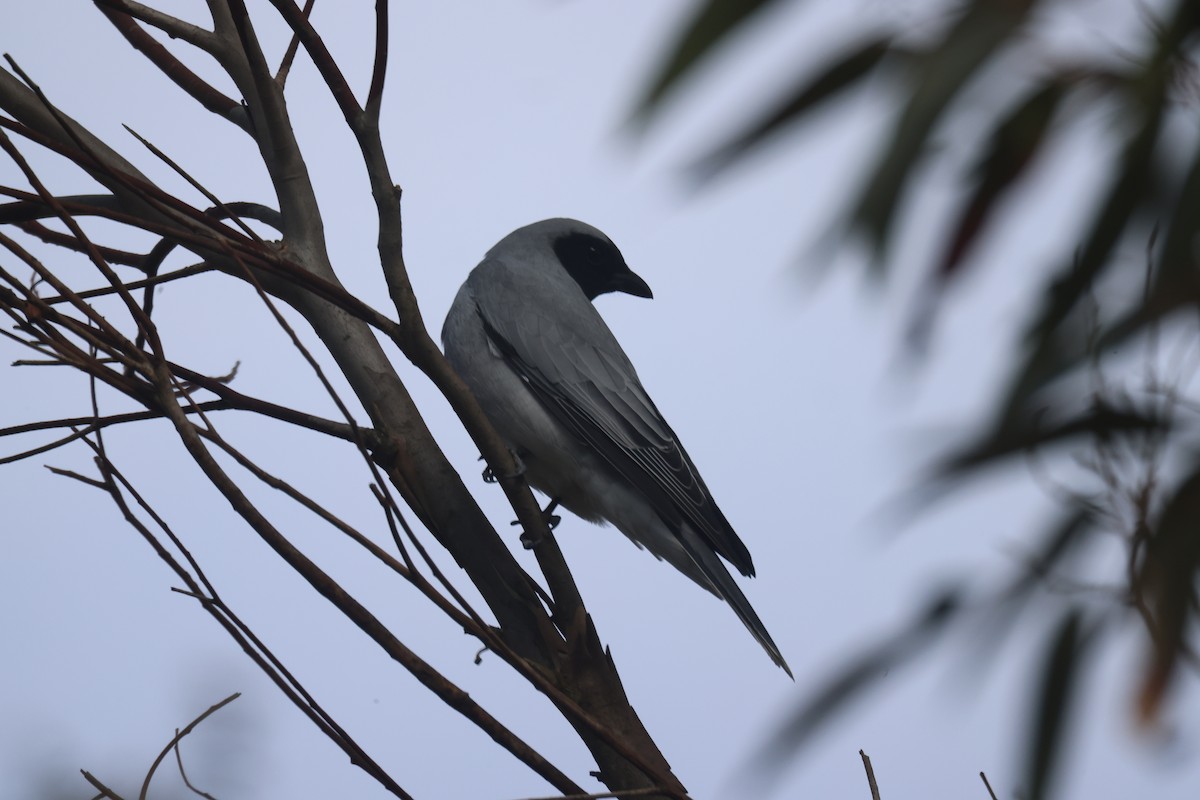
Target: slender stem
[[379, 70], [179, 735]]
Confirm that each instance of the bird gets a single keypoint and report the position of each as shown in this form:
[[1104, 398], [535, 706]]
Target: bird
[[526, 338]]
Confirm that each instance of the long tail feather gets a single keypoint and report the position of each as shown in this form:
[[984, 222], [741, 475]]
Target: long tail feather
[[710, 564]]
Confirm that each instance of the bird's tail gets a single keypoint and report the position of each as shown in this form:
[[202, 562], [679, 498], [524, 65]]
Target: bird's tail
[[709, 563]]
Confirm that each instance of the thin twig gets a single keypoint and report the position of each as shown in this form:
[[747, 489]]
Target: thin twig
[[104, 790], [135, 311], [179, 734], [201, 91], [870, 775], [67, 473], [157, 280], [988, 785], [646, 792], [379, 70], [183, 773], [212, 198], [332, 591], [321, 57], [289, 55], [175, 28], [237, 629], [471, 623], [50, 236]]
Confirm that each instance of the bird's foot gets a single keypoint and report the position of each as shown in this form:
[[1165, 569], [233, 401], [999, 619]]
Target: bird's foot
[[529, 541], [489, 475]]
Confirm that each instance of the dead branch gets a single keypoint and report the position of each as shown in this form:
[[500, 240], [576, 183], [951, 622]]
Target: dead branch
[[179, 734], [557, 649]]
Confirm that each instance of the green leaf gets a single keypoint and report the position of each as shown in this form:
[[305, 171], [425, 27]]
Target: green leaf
[[712, 24]]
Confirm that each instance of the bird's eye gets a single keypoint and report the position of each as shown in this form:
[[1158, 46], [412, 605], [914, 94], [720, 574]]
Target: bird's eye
[[594, 256]]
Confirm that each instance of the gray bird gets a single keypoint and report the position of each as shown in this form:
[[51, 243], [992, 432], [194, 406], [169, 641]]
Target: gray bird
[[523, 334]]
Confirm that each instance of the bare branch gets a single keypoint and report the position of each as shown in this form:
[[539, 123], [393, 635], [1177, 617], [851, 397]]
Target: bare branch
[[46, 448], [257, 211], [259, 257], [870, 775], [330, 72], [647, 792], [172, 26], [379, 70], [238, 630], [991, 793], [278, 146], [424, 672], [103, 327], [179, 735], [145, 326], [110, 254], [183, 774], [559, 653], [75, 476], [225, 212], [202, 92], [33, 208], [145, 283], [104, 790], [289, 55]]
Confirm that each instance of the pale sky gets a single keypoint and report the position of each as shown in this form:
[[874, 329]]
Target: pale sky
[[784, 389]]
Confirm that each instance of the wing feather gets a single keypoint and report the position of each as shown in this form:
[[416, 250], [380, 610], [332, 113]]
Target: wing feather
[[590, 386]]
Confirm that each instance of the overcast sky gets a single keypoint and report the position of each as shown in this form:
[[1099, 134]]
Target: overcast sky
[[785, 390]]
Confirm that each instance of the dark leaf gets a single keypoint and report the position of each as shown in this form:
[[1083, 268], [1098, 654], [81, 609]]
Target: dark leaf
[[712, 24], [1146, 92], [850, 683], [1055, 546], [1014, 142], [1101, 421], [1053, 705], [807, 94], [1175, 285], [1055, 355], [1167, 584], [1123, 199], [984, 27]]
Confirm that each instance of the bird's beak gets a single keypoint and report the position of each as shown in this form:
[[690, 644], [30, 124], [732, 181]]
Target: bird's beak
[[631, 283]]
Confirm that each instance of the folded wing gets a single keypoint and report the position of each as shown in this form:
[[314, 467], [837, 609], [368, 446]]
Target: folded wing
[[582, 377]]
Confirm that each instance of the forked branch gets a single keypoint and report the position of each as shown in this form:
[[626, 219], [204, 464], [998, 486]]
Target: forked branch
[[556, 647]]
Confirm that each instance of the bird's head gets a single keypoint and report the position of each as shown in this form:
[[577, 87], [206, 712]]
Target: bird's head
[[586, 254]]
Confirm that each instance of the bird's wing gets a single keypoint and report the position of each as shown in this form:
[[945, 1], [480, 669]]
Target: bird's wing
[[574, 366]]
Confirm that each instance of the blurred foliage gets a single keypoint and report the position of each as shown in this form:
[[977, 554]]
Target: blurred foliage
[[1133, 435]]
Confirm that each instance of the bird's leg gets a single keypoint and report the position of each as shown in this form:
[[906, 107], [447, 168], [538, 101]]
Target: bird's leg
[[489, 475], [529, 542], [548, 514]]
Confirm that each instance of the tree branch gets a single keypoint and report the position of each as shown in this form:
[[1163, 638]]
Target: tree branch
[[121, 16], [179, 735]]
